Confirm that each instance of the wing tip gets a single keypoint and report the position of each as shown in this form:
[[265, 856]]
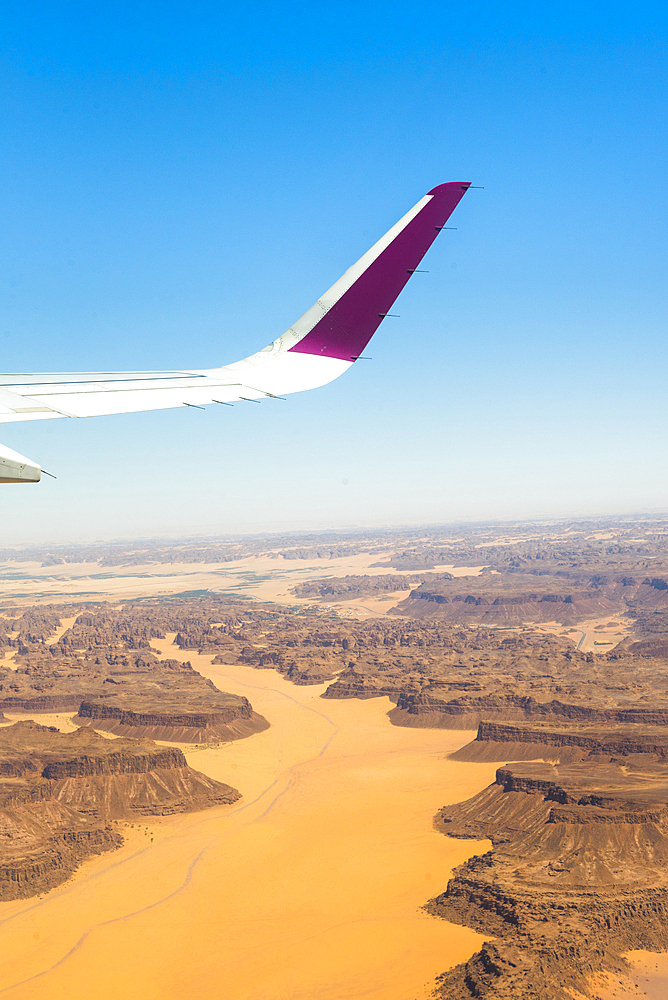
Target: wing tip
[[441, 188]]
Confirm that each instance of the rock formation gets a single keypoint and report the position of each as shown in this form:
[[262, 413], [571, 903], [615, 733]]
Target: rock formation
[[61, 793], [578, 872], [103, 669]]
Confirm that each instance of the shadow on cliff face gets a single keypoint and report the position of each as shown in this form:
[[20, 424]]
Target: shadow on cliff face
[[61, 792], [578, 873]]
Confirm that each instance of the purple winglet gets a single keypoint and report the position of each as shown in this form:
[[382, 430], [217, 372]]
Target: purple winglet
[[349, 325]]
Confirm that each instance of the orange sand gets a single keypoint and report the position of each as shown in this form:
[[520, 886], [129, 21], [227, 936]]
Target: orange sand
[[310, 887], [648, 978]]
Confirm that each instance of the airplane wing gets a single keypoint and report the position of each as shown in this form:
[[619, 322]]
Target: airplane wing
[[319, 347]]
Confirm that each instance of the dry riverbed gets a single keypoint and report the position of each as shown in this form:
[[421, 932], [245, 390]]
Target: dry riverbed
[[310, 887]]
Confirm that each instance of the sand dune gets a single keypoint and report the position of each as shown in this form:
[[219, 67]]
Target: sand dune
[[309, 888]]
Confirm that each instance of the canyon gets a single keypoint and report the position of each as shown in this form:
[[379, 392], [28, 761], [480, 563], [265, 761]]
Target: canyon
[[60, 794], [178, 711]]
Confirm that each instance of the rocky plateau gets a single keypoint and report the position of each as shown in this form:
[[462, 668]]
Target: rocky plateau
[[61, 795], [578, 871], [578, 814]]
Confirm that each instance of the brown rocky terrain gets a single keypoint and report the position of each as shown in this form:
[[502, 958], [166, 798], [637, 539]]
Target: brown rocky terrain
[[578, 872], [498, 599], [572, 550], [61, 793], [361, 585], [594, 543], [437, 674], [453, 679], [301, 545], [102, 668], [578, 822]]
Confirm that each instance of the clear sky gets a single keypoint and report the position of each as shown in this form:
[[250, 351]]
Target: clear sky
[[179, 182]]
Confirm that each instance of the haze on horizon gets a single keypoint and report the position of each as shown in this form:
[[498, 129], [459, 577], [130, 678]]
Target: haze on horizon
[[180, 184]]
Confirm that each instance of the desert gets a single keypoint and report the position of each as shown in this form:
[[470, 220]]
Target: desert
[[310, 885], [320, 788], [333, 519]]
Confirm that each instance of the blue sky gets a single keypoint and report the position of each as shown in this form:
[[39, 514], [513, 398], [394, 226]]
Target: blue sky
[[180, 182]]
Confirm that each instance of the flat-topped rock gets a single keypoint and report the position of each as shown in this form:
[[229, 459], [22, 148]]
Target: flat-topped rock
[[61, 792], [578, 873]]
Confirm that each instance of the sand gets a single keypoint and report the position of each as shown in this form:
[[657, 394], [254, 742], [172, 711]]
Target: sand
[[648, 979], [262, 578], [365, 607], [603, 634], [591, 635], [310, 887]]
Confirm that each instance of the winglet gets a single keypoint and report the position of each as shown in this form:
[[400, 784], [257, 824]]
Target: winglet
[[356, 304], [15, 468]]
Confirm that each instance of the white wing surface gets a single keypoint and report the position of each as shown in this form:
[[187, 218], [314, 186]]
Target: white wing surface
[[319, 347]]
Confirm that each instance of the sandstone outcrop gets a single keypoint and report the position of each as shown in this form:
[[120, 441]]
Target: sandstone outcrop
[[230, 722], [103, 670], [351, 684], [578, 871], [432, 708], [346, 588], [450, 604], [60, 795]]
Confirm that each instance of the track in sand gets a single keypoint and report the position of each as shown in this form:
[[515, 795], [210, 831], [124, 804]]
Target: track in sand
[[310, 887]]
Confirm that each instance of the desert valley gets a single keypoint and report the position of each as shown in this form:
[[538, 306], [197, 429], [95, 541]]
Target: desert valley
[[392, 765]]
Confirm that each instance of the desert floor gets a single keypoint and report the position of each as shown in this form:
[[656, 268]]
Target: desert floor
[[262, 578], [310, 887], [647, 978]]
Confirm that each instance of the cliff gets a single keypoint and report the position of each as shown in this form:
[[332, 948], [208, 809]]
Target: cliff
[[433, 708], [491, 605], [351, 684], [125, 693], [496, 741], [578, 872], [346, 588], [231, 722], [61, 793]]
